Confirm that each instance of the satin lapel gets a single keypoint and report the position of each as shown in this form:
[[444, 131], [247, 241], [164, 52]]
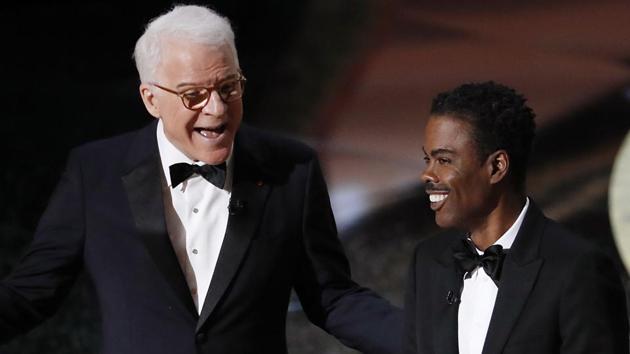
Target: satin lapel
[[250, 191], [448, 282], [144, 192], [520, 272]]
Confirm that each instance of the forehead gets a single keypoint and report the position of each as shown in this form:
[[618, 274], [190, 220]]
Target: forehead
[[448, 133], [183, 60]]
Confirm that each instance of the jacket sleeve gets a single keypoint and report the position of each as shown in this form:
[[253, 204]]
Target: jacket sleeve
[[593, 316], [43, 277], [357, 316]]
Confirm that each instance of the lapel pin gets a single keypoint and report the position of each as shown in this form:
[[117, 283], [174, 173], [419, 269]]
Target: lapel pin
[[259, 183]]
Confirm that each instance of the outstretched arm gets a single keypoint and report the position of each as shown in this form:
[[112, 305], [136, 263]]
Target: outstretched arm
[[357, 316]]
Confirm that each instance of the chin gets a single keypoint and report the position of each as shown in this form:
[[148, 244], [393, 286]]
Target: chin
[[216, 157], [444, 222]]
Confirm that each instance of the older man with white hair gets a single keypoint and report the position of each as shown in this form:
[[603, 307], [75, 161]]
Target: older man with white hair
[[195, 229]]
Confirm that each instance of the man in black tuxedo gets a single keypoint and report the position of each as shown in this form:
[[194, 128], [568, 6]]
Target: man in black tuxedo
[[511, 280], [194, 229]]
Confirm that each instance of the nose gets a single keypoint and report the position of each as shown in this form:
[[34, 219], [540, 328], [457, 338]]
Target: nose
[[428, 175], [215, 106]]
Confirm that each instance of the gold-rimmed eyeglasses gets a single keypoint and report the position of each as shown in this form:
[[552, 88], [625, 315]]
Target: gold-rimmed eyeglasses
[[196, 98]]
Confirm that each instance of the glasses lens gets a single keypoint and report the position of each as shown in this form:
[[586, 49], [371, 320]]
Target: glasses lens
[[230, 90], [195, 98]]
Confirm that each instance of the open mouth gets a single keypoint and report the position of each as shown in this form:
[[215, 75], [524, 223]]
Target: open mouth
[[437, 200], [211, 132]]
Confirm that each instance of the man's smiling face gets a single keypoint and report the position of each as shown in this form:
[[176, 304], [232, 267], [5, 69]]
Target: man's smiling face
[[457, 182]]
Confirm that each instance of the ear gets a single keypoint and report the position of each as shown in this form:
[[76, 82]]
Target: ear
[[498, 164], [151, 102]]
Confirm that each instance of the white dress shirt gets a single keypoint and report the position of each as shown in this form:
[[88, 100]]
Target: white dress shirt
[[478, 297], [196, 215]]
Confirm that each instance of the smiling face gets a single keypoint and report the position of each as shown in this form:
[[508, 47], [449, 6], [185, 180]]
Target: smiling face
[[205, 134], [457, 182]]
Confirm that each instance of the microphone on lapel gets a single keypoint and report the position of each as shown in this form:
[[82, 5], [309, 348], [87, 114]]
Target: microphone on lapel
[[236, 206], [451, 298]]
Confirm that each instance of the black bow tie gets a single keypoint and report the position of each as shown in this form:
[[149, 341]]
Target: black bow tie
[[214, 174], [491, 261]]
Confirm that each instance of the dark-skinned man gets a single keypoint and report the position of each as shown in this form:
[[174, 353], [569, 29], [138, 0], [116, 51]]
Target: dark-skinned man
[[509, 280]]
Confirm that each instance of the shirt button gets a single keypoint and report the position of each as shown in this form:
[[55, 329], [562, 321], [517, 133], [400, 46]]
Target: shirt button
[[195, 251], [195, 210]]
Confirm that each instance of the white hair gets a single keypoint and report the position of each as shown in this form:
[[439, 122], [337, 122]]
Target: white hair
[[190, 22]]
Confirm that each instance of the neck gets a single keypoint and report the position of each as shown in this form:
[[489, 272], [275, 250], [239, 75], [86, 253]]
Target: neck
[[495, 223]]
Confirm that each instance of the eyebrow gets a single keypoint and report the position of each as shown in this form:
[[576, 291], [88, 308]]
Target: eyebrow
[[191, 84], [439, 151]]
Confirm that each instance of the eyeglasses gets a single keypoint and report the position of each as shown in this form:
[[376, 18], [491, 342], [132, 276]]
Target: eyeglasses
[[196, 98]]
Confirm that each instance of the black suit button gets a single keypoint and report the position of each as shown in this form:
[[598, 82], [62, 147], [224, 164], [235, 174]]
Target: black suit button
[[201, 337]]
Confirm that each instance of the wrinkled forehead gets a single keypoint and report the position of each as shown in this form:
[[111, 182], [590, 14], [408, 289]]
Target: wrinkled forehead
[[447, 133], [181, 58]]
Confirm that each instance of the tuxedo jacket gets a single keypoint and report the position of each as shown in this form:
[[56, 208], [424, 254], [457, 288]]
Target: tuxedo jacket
[[557, 294], [107, 217]]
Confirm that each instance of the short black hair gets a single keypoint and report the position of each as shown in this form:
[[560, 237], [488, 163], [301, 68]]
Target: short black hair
[[500, 120]]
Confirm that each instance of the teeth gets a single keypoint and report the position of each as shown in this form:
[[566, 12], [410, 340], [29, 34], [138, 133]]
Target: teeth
[[211, 132], [208, 133], [434, 198]]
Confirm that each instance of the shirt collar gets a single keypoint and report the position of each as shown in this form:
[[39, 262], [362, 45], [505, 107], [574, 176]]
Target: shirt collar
[[169, 154], [507, 239]]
